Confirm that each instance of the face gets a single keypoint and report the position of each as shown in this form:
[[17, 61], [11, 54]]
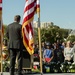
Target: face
[[43, 44], [68, 43], [47, 47]]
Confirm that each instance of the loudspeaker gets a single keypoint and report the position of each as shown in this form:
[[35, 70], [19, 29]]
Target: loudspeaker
[[26, 60]]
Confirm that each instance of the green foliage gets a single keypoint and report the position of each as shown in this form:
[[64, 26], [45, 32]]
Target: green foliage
[[51, 33], [5, 27], [54, 33], [6, 66], [71, 38]]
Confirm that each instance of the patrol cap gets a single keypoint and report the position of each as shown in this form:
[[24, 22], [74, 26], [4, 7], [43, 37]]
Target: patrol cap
[[48, 44]]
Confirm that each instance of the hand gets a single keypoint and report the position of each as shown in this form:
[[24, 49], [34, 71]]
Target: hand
[[68, 58]]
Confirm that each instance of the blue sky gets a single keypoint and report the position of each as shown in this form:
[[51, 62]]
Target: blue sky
[[60, 12]]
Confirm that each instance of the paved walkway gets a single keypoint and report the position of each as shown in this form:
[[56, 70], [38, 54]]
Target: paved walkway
[[7, 73]]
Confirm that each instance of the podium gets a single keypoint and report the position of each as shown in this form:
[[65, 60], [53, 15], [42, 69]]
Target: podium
[[27, 64]]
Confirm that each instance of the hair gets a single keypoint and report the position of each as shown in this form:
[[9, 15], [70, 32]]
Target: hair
[[17, 18], [68, 42]]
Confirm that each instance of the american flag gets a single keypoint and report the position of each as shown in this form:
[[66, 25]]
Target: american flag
[[27, 27], [1, 23], [0, 14], [0, 4]]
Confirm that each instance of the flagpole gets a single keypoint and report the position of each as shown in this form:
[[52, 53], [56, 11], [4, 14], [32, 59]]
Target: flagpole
[[1, 35], [39, 35], [1, 43], [1, 51]]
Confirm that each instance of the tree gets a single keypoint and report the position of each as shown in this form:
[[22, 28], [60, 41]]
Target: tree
[[71, 38]]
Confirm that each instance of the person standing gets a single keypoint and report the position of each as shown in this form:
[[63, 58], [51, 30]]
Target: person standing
[[14, 36], [74, 52], [48, 54], [68, 52]]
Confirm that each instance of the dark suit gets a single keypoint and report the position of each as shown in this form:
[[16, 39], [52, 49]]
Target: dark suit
[[15, 46]]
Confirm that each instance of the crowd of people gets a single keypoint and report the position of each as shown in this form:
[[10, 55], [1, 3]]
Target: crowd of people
[[58, 52]]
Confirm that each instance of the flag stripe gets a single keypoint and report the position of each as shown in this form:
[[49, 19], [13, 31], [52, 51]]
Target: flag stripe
[[0, 14], [28, 21], [28, 16], [0, 1], [26, 31], [25, 38], [28, 2], [29, 6], [31, 28], [26, 41], [0, 6]]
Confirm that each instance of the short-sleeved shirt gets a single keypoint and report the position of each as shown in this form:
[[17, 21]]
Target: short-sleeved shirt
[[47, 53]]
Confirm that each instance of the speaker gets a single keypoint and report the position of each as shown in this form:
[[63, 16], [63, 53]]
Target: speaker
[[26, 60]]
